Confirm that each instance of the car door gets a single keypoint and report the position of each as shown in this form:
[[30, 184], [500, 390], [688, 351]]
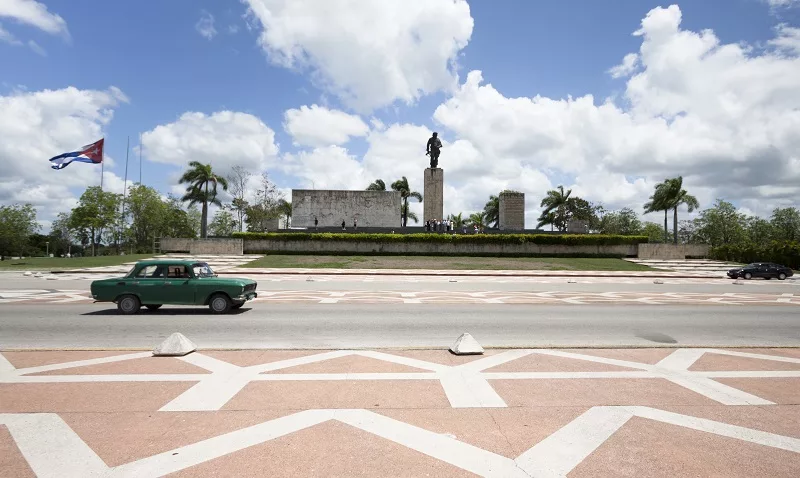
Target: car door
[[179, 288], [148, 284]]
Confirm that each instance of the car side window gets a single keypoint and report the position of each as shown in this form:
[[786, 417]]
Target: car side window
[[150, 272], [178, 272]]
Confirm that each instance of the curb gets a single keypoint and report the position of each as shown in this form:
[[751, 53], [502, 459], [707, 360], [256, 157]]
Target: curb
[[426, 273]]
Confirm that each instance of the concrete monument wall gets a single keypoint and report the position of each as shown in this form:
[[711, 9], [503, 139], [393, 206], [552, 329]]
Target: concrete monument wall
[[512, 211], [214, 246], [433, 195], [672, 251], [370, 208]]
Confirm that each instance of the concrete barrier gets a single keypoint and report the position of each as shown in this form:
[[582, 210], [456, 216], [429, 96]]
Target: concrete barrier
[[221, 246], [261, 246], [672, 251]]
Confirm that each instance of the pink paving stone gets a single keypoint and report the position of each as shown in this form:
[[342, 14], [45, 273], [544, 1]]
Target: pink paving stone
[[120, 438], [25, 359], [505, 431], [646, 356], [785, 391], [594, 392], [12, 463], [779, 352], [330, 449], [646, 448], [304, 395], [247, 358], [350, 364], [147, 365], [442, 357], [88, 397], [780, 419], [711, 362], [548, 363]]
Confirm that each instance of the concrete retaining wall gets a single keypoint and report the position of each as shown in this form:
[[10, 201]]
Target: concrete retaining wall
[[672, 251], [429, 248], [222, 246], [370, 208]]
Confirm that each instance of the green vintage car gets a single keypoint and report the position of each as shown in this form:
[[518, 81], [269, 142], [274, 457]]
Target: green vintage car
[[153, 283]]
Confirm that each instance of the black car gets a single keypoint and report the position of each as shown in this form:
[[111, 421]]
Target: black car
[[766, 270]]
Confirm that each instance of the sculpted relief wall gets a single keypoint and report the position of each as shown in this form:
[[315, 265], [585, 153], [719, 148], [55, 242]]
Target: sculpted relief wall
[[370, 208]]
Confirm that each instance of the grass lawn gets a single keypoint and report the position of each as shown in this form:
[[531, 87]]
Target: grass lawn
[[56, 263], [444, 262]]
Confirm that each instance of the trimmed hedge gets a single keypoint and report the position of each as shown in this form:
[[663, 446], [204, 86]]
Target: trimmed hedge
[[541, 239], [785, 252]]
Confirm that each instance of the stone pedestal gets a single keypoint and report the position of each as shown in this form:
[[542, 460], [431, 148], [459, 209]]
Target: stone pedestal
[[433, 195], [512, 211]]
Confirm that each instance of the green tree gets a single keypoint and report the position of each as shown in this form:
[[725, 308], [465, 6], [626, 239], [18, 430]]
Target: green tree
[[60, 235], [96, 213], [237, 181], [624, 222], [556, 203], [721, 225], [401, 185], [179, 222], [223, 224], [147, 215], [676, 197], [653, 231], [477, 219], [659, 201], [377, 185], [458, 220], [265, 206], [285, 210], [17, 224], [759, 230], [199, 177], [491, 211], [786, 224]]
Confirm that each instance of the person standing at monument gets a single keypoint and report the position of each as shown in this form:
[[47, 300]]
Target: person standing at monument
[[433, 149]]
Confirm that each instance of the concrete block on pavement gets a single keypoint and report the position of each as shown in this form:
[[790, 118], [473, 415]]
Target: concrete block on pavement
[[466, 345], [176, 345]]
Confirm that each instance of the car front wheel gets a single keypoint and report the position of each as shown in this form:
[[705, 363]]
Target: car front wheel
[[748, 275], [128, 304], [220, 304], [781, 276]]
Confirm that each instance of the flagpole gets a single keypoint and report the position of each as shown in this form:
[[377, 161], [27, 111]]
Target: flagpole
[[102, 168], [125, 182], [140, 159]]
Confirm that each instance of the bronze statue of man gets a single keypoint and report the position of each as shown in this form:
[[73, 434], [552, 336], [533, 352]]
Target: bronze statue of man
[[433, 149]]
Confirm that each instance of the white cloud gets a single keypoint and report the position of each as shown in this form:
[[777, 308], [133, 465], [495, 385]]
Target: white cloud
[[205, 26], [628, 66], [370, 54], [782, 3], [319, 126], [722, 116], [331, 167], [36, 126], [36, 48], [223, 139], [7, 37], [787, 39], [33, 13]]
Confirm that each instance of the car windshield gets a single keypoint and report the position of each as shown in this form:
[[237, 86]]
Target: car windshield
[[203, 270]]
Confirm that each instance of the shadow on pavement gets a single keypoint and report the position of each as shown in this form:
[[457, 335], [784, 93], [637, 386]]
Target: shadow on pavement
[[168, 312]]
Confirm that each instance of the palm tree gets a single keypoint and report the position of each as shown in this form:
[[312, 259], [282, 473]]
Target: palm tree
[[401, 185], [198, 177], [676, 197], [477, 219], [492, 211], [285, 209], [555, 203], [457, 220], [404, 212], [660, 201], [377, 185]]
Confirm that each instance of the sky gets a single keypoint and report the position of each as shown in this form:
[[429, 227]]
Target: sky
[[605, 98]]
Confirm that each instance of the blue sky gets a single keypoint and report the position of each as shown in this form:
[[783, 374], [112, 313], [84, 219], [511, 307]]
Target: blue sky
[[153, 52]]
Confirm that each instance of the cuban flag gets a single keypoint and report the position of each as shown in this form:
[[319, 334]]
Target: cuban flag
[[92, 153]]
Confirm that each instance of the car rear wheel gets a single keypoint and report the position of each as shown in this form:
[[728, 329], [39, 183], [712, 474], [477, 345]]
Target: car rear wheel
[[220, 304], [153, 306], [128, 305], [748, 275], [781, 276]]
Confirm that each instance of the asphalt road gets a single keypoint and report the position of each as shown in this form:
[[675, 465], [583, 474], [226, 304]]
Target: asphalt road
[[264, 325]]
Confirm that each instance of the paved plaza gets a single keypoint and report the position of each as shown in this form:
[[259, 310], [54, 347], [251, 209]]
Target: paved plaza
[[587, 412]]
